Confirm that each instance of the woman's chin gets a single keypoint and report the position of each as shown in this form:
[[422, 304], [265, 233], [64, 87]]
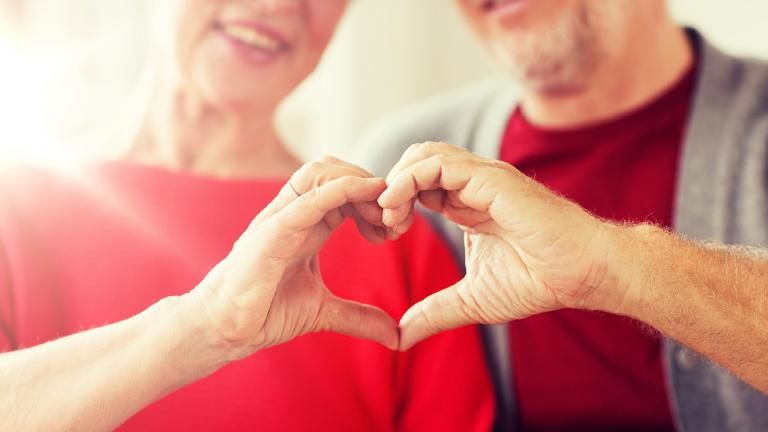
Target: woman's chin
[[233, 89], [230, 81], [240, 103]]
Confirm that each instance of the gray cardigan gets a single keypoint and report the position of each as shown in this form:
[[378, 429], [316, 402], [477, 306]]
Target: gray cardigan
[[722, 195]]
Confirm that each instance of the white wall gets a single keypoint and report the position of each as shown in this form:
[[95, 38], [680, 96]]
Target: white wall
[[65, 83], [391, 52], [740, 26]]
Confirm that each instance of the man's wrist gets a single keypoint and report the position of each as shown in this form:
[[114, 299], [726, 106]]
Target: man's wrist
[[631, 266]]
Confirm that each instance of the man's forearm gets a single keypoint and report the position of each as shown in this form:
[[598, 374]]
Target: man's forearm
[[712, 299], [97, 379]]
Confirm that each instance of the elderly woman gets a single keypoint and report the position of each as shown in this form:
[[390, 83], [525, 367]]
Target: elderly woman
[[132, 242]]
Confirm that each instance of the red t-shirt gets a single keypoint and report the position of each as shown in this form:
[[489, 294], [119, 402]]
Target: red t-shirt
[[582, 370], [79, 250]]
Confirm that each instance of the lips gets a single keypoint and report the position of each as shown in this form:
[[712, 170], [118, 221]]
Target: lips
[[254, 36], [492, 5]]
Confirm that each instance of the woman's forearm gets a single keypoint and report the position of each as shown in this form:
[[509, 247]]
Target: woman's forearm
[[97, 379], [712, 299]]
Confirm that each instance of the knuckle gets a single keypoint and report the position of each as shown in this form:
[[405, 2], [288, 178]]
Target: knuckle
[[440, 157], [314, 174], [430, 146], [304, 169], [499, 166], [344, 180], [415, 146], [314, 167], [443, 147], [301, 178], [348, 180], [328, 159], [310, 197], [418, 148], [320, 179]]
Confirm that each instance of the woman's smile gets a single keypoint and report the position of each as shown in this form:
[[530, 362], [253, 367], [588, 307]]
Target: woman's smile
[[252, 41]]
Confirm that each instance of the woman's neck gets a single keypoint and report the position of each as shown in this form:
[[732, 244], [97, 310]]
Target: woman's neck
[[183, 133]]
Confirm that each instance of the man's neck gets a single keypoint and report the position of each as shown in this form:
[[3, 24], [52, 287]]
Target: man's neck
[[646, 67]]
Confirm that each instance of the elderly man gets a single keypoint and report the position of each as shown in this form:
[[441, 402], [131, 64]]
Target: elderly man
[[616, 107]]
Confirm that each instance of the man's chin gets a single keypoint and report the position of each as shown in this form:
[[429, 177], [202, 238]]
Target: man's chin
[[542, 63]]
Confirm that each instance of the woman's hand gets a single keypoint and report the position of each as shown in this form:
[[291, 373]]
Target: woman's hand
[[269, 290], [527, 250]]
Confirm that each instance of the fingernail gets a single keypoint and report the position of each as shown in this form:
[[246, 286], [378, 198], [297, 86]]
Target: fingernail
[[402, 228], [382, 201], [394, 346], [407, 318], [387, 218], [392, 234], [405, 344]]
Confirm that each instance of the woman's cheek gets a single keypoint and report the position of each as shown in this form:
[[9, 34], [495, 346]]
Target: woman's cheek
[[194, 22], [324, 16]]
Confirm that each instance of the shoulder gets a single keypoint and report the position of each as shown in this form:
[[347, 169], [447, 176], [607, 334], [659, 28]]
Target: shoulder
[[730, 107], [23, 186], [736, 87], [41, 199], [453, 117], [42, 187]]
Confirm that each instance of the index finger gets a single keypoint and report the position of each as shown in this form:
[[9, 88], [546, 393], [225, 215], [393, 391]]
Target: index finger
[[311, 208], [418, 152], [439, 171], [311, 175]]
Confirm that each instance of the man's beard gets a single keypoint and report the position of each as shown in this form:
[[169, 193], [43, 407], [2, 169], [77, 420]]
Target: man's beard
[[559, 57]]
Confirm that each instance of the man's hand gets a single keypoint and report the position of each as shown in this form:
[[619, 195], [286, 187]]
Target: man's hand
[[527, 250], [269, 289]]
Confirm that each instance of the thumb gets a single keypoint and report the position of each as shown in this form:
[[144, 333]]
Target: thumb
[[359, 320], [443, 310]]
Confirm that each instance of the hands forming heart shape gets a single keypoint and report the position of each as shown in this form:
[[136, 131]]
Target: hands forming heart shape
[[527, 251]]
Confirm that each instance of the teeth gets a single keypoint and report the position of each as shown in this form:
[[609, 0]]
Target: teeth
[[252, 37]]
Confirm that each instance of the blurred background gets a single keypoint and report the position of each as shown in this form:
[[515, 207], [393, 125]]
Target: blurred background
[[69, 69]]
